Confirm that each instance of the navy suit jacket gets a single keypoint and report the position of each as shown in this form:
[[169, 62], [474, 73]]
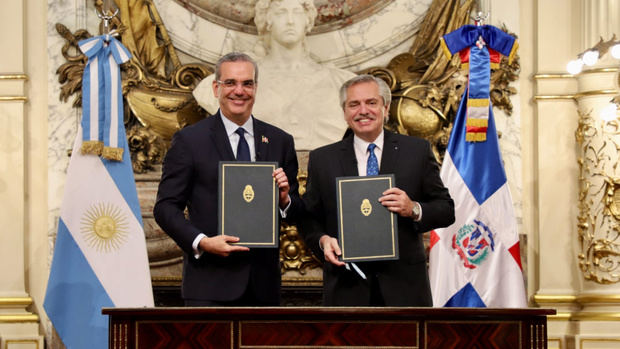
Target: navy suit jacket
[[403, 282], [190, 180]]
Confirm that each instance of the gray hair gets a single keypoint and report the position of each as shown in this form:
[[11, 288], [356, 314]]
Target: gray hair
[[234, 57], [384, 89], [262, 8]]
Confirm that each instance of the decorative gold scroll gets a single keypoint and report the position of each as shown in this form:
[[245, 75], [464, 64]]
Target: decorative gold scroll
[[599, 198]]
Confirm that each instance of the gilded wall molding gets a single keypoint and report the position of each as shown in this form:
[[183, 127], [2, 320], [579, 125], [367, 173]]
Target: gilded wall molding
[[595, 93], [551, 299], [13, 99], [577, 95], [19, 318], [20, 342], [15, 301], [584, 341], [581, 299], [553, 76], [553, 97], [8, 304], [595, 316], [13, 77], [600, 70], [599, 198]]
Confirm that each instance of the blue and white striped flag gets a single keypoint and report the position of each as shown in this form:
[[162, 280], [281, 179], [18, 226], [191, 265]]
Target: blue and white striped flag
[[102, 97], [476, 262], [100, 257]]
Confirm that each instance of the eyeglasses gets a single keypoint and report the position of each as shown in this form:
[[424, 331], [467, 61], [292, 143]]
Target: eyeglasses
[[229, 84]]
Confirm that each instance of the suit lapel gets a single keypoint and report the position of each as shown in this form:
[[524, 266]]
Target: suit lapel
[[220, 139], [389, 155], [347, 157], [261, 141]]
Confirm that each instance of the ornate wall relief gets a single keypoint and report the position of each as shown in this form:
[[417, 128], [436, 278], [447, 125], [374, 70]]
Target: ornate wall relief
[[599, 198], [239, 15]]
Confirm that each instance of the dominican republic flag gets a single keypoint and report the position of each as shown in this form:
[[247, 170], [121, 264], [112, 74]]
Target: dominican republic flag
[[100, 257], [476, 262]]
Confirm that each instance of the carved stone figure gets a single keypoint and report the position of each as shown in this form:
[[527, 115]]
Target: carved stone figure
[[294, 92]]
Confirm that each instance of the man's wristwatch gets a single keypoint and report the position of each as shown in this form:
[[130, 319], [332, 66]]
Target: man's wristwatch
[[417, 210]]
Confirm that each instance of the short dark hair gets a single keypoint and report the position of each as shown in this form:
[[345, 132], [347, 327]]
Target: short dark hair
[[384, 89], [234, 57]]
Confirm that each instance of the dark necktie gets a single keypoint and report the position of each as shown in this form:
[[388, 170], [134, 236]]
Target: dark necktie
[[243, 150], [372, 166]]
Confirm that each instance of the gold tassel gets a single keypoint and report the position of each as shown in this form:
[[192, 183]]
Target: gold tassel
[[92, 147], [478, 102], [476, 136], [445, 49], [513, 52], [477, 122], [115, 154]]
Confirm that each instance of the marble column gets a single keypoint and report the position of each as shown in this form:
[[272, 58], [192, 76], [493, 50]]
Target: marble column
[[18, 326]]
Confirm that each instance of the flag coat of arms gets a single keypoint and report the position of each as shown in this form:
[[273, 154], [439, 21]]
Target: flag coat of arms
[[100, 257]]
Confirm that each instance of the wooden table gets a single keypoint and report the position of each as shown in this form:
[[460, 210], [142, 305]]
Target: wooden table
[[325, 327]]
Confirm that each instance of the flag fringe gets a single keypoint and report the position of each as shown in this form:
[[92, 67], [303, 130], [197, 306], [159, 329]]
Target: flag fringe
[[92, 147], [115, 154]]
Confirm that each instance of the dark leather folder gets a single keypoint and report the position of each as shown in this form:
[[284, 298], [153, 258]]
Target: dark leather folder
[[248, 203], [367, 231]]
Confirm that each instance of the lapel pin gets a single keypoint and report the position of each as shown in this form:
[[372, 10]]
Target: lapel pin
[[264, 139]]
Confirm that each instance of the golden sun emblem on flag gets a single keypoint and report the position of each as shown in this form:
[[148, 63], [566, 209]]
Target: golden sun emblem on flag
[[104, 227]]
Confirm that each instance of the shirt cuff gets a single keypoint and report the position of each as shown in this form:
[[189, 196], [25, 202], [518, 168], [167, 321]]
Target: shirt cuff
[[284, 210], [197, 251]]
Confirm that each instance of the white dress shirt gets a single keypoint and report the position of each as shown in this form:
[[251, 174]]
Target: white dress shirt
[[361, 152]]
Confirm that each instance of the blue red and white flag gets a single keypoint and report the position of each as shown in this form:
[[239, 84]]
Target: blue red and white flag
[[476, 261], [100, 257]]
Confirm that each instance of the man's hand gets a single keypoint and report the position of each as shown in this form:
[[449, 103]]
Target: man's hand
[[219, 245], [283, 187], [397, 201], [331, 250]]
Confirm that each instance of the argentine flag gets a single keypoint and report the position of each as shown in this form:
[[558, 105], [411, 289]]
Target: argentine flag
[[100, 257], [476, 262]]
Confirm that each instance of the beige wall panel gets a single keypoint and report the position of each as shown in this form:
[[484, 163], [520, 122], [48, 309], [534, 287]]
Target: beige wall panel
[[528, 118], [565, 86], [557, 33], [12, 152], [12, 197], [36, 163], [594, 342], [12, 40], [601, 19], [10, 86], [557, 185]]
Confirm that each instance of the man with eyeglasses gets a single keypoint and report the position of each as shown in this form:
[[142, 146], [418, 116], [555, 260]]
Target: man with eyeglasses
[[215, 271]]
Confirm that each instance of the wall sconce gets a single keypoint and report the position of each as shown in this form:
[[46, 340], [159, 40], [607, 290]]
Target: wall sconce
[[590, 56]]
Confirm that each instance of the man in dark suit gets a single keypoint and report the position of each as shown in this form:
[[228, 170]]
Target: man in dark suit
[[419, 198], [216, 272]]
